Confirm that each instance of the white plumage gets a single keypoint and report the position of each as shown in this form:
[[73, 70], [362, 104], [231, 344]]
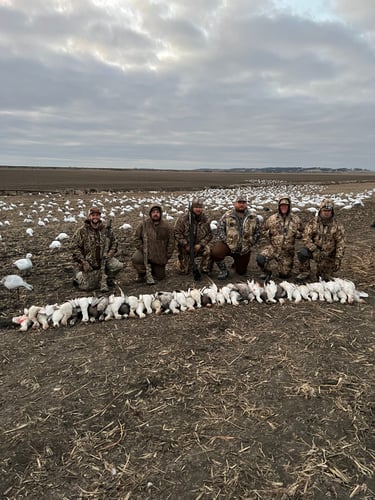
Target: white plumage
[[24, 264], [13, 282]]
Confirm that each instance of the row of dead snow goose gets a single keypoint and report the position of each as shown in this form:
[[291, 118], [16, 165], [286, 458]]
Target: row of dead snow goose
[[131, 306]]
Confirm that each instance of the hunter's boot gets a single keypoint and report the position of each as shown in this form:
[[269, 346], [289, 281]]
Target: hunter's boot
[[223, 274]]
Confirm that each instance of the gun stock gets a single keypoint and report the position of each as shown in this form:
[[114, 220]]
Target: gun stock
[[149, 278]]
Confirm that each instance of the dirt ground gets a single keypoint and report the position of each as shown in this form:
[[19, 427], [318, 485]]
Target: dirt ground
[[259, 401]]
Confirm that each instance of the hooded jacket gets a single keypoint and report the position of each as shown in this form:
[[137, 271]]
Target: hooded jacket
[[282, 231], [157, 237], [88, 244], [325, 235]]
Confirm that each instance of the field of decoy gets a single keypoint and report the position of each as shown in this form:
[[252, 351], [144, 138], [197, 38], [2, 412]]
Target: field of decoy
[[257, 400]]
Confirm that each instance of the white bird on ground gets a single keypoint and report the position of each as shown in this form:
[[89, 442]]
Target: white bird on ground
[[61, 237], [55, 245], [29, 231], [15, 282], [126, 226], [24, 264]]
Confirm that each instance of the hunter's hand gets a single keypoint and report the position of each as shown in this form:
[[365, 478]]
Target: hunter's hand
[[197, 248], [86, 266], [187, 248], [316, 255]]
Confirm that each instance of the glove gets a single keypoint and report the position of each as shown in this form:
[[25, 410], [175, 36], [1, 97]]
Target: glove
[[337, 265], [86, 266]]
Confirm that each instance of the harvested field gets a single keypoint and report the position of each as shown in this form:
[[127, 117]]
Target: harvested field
[[259, 401]]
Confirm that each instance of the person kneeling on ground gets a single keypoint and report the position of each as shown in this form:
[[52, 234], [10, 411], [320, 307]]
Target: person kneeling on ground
[[89, 244], [238, 231], [280, 231], [193, 225], [154, 244], [324, 242]]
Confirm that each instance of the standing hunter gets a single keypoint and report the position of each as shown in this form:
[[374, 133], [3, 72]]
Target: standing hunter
[[94, 247], [324, 242], [238, 231], [193, 227], [280, 231], [154, 244]]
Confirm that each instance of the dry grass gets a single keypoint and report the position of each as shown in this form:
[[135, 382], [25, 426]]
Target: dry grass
[[257, 402]]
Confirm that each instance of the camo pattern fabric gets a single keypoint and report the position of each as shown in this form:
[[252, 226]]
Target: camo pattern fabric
[[281, 233], [325, 239], [95, 279], [239, 234], [88, 244], [202, 236]]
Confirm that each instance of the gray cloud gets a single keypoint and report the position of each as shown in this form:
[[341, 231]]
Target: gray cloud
[[185, 85]]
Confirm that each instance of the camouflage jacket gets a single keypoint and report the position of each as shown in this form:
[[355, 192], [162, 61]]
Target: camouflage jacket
[[240, 234], [201, 227], [281, 232], [158, 238], [89, 243], [328, 237]]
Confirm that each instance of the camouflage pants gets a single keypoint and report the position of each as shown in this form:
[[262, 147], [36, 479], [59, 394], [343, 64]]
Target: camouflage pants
[[93, 279], [325, 267], [184, 264], [283, 260]]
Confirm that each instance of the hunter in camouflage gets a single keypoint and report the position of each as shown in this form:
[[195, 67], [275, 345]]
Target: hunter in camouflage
[[280, 230], [88, 246], [202, 235], [324, 243], [238, 231]]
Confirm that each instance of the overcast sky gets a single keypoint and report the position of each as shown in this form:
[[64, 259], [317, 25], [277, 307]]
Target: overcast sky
[[187, 83]]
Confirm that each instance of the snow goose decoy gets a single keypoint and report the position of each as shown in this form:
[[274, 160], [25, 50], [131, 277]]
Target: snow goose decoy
[[15, 282], [24, 264]]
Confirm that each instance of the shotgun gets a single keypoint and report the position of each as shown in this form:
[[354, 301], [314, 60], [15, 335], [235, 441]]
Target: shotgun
[[103, 262], [194, 268]]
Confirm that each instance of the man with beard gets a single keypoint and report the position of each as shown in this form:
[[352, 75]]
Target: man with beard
[[324, 242], [280, 231], [238, 230], [154, 243], [193, 226], [89, 244]]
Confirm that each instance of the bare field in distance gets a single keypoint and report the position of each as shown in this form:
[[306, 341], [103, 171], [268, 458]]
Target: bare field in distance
[[32, 179]]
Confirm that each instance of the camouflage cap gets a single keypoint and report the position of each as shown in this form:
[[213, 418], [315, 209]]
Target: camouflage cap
[[197, 202], [95, 210], [241, 196], [284, 201], [326, 204]]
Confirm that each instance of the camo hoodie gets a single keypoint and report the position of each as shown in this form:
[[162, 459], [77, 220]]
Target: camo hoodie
[[326, 235], [158, 236], [88, 244], [239, 234], [282, 231]]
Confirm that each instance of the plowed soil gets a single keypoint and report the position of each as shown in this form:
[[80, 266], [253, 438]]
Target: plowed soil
[[258, 401]]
